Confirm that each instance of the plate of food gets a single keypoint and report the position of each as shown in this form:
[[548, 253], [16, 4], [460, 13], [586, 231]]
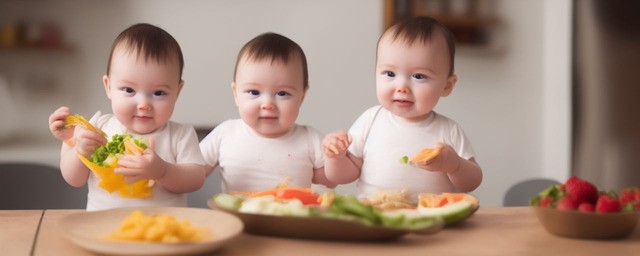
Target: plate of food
[[577, 209], [151, 230], [299, 213]]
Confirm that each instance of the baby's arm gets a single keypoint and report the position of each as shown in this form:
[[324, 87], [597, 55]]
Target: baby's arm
[[340, 166], [177, 178], [464, 174], [78, 140], [319, 177]]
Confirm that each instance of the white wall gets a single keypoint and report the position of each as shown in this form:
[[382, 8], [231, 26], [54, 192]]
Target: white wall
[[503, 101]]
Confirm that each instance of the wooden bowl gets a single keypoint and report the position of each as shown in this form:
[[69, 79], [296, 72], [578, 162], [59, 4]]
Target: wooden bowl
[[582, 225]]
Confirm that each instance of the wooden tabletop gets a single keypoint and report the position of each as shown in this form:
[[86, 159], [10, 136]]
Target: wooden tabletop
[[490, 231]]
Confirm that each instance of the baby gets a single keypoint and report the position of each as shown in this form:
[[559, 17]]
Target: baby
[[143, 81], [414, 68], [266, 146]]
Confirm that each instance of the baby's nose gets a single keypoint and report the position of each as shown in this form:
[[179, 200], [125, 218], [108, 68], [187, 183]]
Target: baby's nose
[[402, 89], [144, 107], [268, 106]]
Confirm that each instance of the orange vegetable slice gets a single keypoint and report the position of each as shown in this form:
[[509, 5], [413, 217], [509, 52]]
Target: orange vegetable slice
[[429, 200], [112, 182], [75, 119], [132, 148], [425, 155]]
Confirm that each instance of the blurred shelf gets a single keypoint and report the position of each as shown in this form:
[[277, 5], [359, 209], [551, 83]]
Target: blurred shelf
[[472, 26]]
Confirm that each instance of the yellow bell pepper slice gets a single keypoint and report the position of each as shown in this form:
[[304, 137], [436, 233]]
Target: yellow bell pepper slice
[[75, 119], [112, 182]]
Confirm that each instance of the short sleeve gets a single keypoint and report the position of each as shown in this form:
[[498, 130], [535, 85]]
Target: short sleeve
[[360, 129], [210, 145], [314, 139], [188, 151]]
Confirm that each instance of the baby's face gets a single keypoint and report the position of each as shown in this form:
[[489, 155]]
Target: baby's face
[[143, 92], [410, 79], [269, 94]]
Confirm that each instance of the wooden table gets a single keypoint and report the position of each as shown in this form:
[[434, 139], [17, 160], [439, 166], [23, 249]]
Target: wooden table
[[491, 231]]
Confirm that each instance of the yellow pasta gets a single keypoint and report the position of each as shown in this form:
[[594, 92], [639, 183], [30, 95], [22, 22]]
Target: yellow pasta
[[162, 228]]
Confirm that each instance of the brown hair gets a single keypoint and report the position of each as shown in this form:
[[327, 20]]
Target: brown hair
[[150, 41], [421, 28], [274, 47]]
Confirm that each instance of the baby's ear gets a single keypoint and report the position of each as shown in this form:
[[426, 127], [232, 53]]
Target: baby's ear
[[233, 90], [451, 83], [107, 87]]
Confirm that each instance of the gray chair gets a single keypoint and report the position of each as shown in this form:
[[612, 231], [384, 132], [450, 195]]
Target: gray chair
[[37, 186], [520, 193], [211, 186]]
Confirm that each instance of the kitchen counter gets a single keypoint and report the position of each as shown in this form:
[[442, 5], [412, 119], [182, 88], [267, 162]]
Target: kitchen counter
[[491, 231]]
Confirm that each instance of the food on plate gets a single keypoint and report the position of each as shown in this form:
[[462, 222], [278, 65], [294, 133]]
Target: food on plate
[[163, 228], [452, 207], [105, 159], [342, 207], [390, 200], [581, 195], [429, 200]]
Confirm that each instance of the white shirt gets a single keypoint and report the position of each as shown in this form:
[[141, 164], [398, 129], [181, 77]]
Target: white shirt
[[390, 138], [249, 161], [175, 143]]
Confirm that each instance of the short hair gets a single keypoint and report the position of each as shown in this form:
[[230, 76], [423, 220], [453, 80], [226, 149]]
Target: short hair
[[149, 41], [274, 47], [421, 28]]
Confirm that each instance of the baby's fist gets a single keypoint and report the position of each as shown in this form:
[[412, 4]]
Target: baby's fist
[[336, 144]]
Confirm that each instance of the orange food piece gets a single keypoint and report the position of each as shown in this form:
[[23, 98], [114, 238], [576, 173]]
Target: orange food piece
[[112, 182], [75, 119], [425, 155], [429, 200]]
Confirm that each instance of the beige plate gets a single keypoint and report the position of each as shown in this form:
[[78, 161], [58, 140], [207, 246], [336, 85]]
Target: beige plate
[[88, 229], [319, 228], [576, 224]]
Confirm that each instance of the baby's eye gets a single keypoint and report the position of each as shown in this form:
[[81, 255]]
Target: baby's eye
[[127, 90], [282, 93], [419, 76], [159, 93], [253, 92], [388, 73]]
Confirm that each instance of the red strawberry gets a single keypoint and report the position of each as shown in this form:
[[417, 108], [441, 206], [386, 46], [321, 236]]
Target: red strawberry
[[627, 195], [585, 207], [565, 203], [607, 203], [545, 201], [581, 191], [630, 196]]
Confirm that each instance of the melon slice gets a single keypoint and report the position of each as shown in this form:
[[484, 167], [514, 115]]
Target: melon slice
[[452, 207], [425, 155], [428, 200]]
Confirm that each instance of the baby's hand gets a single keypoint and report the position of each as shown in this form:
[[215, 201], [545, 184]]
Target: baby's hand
[[146, 166], [87, 141], [446, 161], [57, 124], [336, 144]]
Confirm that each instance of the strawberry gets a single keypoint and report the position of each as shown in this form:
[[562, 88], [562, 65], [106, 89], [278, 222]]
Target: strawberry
[[585, 207], [607, 204], [630, 196], [581, 191], [565, 203], [546, 201]]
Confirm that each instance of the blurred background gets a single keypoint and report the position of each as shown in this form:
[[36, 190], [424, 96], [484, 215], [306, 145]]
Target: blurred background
[[513, 60]]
